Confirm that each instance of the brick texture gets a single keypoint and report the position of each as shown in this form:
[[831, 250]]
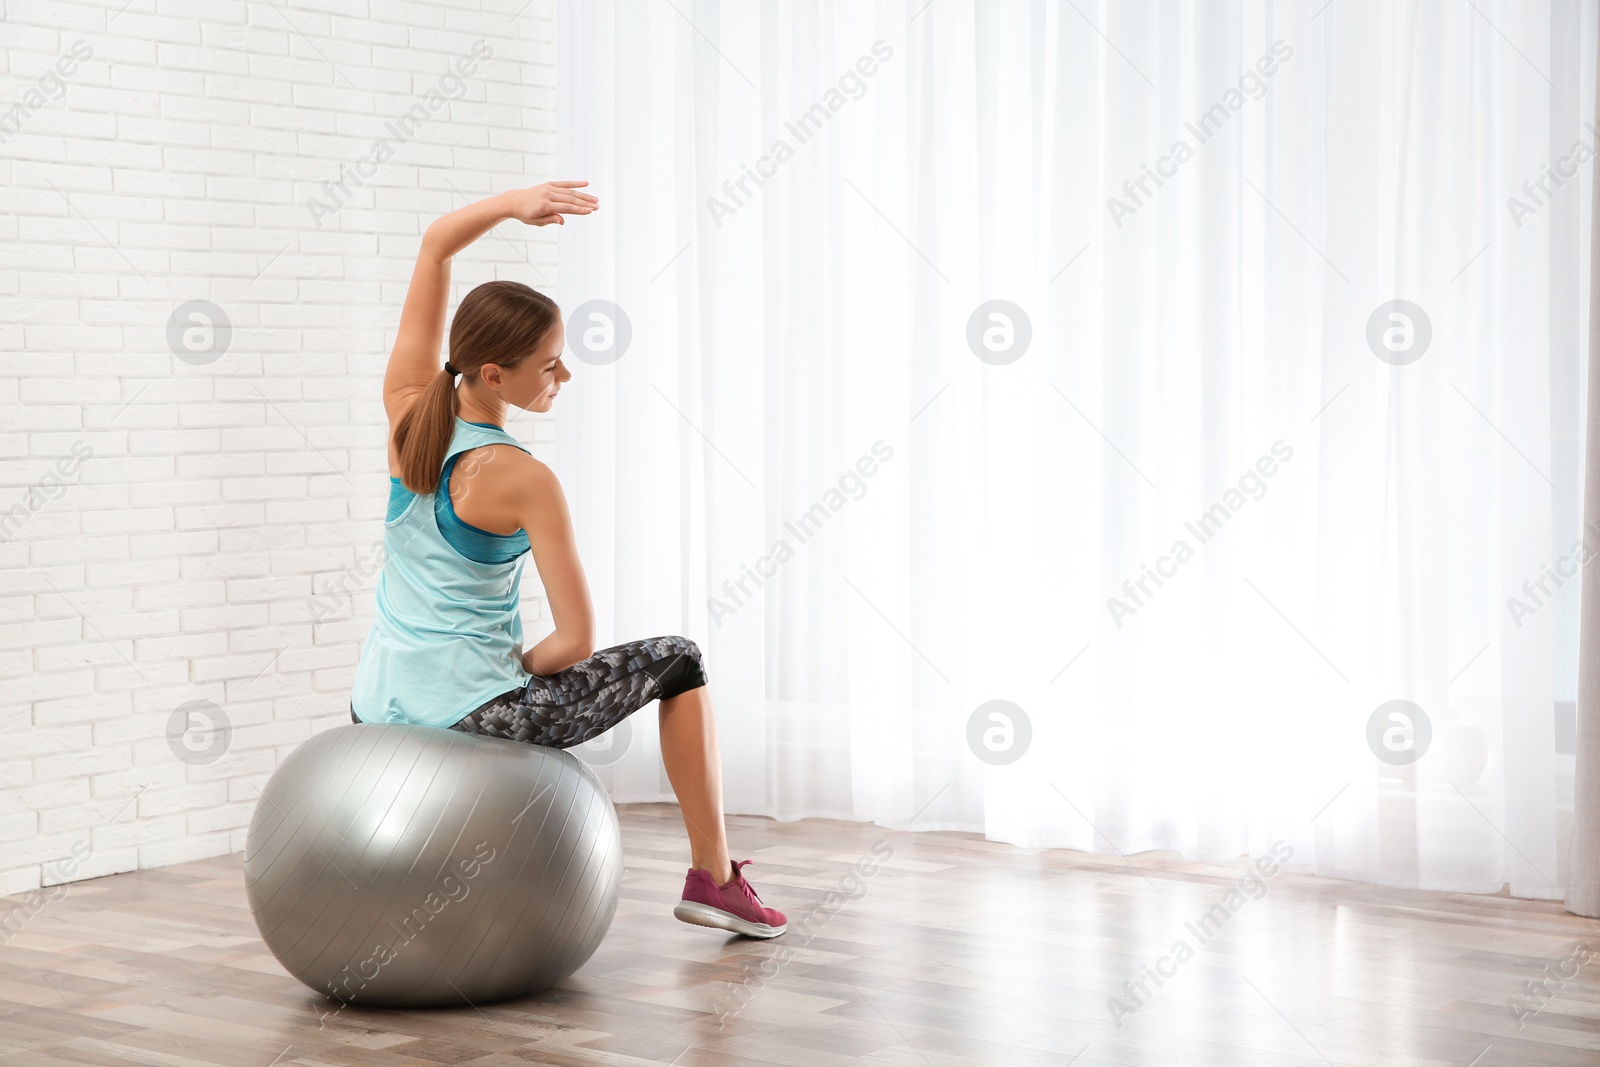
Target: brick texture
[[186, 527]]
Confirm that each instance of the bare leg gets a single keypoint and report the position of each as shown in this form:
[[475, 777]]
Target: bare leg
[[694, 766]]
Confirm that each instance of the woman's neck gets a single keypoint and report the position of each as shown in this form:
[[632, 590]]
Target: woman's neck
[[472, 409]]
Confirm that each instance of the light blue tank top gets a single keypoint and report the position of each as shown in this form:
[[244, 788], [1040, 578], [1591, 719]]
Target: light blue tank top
[[446, 633]]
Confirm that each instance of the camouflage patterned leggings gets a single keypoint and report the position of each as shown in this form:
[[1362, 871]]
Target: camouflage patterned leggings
[[590, 697]]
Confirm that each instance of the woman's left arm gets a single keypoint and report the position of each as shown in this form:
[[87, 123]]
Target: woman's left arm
[[414, 361]]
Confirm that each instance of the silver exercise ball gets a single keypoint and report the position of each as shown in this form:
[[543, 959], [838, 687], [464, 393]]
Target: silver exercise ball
[[415, 866]]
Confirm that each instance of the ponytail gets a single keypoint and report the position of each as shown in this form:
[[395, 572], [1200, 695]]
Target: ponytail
[[424, 433], [498, 322]]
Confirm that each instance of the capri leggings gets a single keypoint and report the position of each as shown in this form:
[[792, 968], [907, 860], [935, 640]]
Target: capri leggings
[[585, 700]]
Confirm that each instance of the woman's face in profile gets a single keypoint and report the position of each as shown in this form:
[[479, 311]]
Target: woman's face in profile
[[532, 385]]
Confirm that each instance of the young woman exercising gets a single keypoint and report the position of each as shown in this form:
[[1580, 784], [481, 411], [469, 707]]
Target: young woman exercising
[[467, 505]]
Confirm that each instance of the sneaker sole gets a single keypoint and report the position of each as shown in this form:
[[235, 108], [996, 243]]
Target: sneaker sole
[[705, 915]]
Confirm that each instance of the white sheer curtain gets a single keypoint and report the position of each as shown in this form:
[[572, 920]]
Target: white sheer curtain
[[956, 519]]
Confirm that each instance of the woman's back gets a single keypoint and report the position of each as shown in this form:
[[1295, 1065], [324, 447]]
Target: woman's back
[[447, 629]]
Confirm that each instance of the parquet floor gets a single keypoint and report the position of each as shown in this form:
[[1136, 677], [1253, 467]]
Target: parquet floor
[[954, 950]]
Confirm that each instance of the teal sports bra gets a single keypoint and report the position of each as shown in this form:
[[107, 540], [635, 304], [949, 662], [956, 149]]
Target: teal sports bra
[[475, 543]]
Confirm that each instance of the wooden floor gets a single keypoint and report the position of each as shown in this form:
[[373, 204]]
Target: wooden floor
[[955, 951]]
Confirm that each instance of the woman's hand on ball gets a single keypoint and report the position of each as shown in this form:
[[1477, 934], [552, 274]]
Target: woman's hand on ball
[[541, 205]]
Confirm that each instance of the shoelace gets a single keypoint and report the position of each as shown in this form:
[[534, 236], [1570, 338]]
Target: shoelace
[[748, 889]]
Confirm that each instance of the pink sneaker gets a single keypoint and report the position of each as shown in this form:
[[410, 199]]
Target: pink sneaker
[[734, 906]]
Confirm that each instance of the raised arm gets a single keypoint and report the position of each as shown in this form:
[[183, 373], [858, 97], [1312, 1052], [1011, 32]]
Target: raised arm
[[415, 362]]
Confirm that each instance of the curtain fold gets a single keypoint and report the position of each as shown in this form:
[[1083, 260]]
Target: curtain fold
[[1117, 427], [1583, 888]]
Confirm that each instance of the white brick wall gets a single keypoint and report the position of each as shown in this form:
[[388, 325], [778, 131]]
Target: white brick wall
[[166, 522]]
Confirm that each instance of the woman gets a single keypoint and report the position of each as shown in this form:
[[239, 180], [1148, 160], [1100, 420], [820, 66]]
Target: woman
[[467, 504]]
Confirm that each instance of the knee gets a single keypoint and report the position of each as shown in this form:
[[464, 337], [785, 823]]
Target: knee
[[691, 651], [686, 669]]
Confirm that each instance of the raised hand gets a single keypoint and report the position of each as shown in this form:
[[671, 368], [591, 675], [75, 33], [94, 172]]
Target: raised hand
[[543, 204]]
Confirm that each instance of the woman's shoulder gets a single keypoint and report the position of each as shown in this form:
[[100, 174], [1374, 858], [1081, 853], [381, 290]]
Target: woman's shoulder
[[504, 486], [506, 465]]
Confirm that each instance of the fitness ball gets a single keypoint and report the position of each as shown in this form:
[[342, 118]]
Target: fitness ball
[[415, 866]]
